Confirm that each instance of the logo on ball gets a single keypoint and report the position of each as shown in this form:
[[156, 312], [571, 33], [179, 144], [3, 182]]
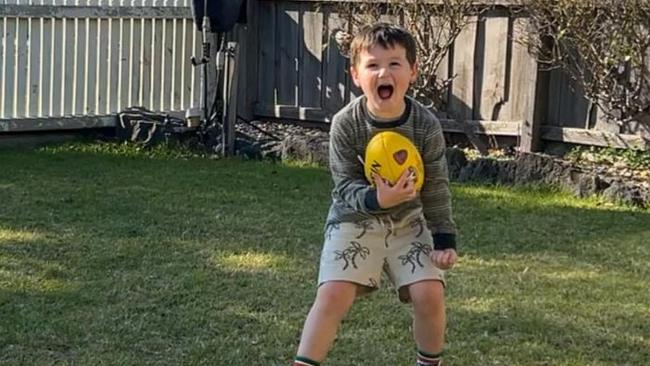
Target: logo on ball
[[389, 154]]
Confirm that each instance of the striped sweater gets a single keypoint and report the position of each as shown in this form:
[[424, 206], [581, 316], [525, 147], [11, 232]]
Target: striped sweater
[[355, 200]]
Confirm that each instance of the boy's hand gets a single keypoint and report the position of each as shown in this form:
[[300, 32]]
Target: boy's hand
[[444, 259], [404, 190]]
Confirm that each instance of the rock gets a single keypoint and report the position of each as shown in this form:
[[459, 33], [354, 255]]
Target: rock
[[310, 149], [479, 170], [507, 172], [537, 168], [583, 184], [623, 193], [247, 149], [456, 160]]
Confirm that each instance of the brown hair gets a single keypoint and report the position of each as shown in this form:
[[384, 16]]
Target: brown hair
[[386, 35]]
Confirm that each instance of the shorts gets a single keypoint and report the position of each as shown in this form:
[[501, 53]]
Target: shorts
[[360, 252]]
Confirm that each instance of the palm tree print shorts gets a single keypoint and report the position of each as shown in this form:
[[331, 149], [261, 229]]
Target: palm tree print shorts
[[360, 252]]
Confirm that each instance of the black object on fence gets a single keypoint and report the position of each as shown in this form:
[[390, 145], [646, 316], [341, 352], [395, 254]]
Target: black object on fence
[[218, 17], [223, 14]]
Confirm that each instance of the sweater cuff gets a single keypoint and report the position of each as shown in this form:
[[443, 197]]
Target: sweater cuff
[[371, 201], [442, 241]]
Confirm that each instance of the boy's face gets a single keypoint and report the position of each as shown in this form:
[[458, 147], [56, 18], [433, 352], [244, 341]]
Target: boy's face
[[384, 75]]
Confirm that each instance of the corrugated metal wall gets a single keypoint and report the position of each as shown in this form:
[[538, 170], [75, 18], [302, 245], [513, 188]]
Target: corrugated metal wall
[[96, 57]]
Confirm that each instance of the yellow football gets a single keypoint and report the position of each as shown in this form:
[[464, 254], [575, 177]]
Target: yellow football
[[388, 154]]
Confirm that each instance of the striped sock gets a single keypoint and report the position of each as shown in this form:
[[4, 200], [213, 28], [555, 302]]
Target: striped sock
[[304, 361], [429, 359]]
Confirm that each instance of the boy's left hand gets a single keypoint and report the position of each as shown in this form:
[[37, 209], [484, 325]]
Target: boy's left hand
[[444, 259]]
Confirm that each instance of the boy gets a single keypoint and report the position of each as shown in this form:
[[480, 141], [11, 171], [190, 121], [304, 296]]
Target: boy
[[389, 228]]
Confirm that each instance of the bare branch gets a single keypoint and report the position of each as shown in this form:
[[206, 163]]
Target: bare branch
[[435, 27], [602, 45]]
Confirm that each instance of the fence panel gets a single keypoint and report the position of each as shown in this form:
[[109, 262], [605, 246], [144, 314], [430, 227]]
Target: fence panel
[[462, 90], [301, 71], [312, 81], [74, 58], [496, 84], [93, 58]]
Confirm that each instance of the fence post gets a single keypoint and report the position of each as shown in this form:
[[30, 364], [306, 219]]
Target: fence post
[[246, 35], [535, 92], [230, 98], [531, 136]]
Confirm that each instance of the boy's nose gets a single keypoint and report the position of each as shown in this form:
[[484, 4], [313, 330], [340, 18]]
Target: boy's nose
[[383, 71]]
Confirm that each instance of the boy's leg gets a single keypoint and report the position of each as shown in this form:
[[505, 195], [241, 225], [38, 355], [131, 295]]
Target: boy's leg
[[429, 320], [420, 282], [350, 265], [333, 300]]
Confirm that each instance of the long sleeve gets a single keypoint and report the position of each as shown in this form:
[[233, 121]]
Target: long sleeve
[[350, 184], [435, 194]]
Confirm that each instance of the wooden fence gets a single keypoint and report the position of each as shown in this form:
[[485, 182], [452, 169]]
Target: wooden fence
[[76, 63], [67, 64], [497, 88]]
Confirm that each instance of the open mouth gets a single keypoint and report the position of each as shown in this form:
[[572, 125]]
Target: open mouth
[[385, 91]]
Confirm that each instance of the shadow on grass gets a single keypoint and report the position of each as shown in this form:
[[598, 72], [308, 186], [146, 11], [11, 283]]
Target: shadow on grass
[[529, 335], [177, 305], [496, 222], [106, 259]]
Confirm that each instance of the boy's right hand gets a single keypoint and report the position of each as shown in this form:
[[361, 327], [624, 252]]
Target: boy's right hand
[[403, 191]]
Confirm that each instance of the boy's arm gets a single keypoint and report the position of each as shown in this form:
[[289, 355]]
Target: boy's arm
[[435, 194], [350, 184]]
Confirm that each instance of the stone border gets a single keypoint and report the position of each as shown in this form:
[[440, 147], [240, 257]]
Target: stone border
[[532, 168], [292, 142]]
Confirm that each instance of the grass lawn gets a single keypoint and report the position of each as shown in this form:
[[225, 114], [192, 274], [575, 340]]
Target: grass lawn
[[112, 257]]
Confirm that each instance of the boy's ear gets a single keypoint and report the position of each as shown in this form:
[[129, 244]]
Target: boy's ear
[[355, 76], [414, 73]]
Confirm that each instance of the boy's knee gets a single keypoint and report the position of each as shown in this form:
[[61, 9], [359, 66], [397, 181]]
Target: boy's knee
[[336, 297], [428, 296]]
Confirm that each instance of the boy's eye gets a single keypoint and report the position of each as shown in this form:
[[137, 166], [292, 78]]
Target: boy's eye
[[371, 65], [395, 63]]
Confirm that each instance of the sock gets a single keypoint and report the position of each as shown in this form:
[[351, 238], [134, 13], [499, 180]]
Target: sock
[[304, 361], [429, 359]]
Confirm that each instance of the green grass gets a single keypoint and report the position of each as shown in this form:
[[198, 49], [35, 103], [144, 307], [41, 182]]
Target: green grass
[[110, 256]]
